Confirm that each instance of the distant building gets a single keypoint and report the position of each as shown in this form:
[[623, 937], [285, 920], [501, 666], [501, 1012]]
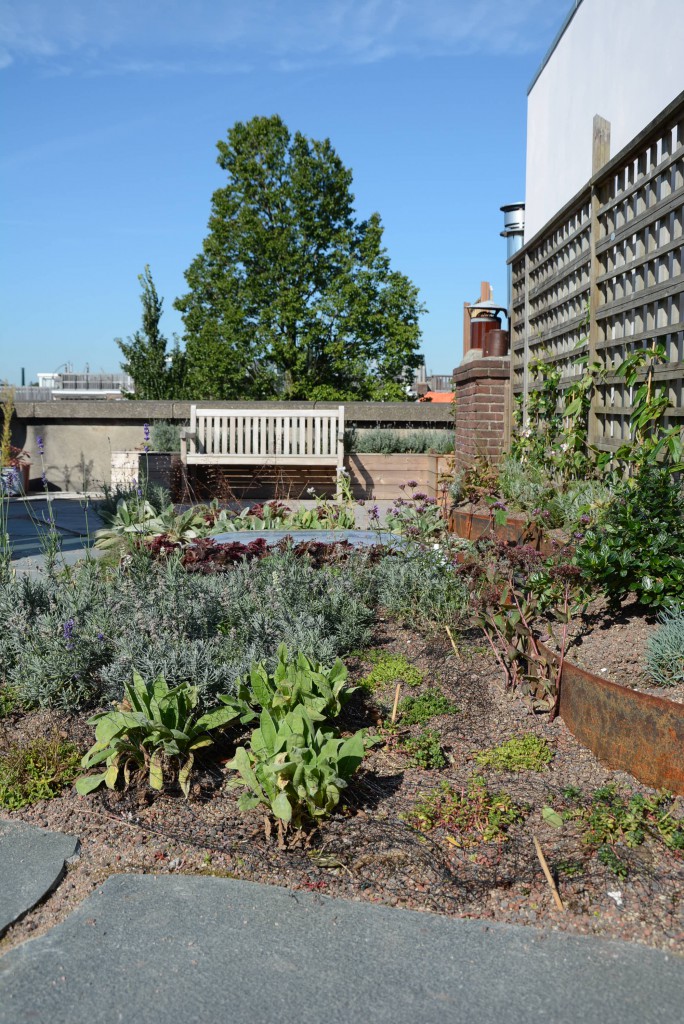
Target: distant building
[[56, 386]]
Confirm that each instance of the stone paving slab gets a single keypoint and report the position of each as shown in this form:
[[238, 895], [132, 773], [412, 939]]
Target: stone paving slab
[[31, 864], [180, 949]]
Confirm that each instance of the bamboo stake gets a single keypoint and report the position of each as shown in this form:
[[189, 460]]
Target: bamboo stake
[[453, 642], [549, 878], [396, 703]]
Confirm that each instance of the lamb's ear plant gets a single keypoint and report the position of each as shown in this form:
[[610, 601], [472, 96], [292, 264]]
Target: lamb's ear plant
[[153, 726]]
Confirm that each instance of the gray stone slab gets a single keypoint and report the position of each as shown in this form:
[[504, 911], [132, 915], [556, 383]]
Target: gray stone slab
[[161, 950], [31, 864]]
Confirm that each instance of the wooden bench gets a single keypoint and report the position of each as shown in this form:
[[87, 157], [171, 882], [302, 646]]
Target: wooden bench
[[264, 437]]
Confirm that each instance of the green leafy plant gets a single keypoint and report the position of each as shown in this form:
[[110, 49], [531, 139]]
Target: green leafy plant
[[650, 440], [389, 668], [519, 754], [610, 819], [424, 750], [295, 681], [418, 517], [9, 700], [637, 544], [665, 650], [419, 710], [37, 770], [468, 816], [154, 726], [294, 769]]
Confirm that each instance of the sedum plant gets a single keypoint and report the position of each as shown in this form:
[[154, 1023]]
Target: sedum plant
[[153, 724], [296, 681], [294, 769]]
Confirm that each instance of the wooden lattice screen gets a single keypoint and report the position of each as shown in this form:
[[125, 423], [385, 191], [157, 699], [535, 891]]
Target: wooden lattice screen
[[606, 276]]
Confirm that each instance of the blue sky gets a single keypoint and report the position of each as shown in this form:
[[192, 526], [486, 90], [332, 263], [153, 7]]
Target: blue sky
[[111, 110]]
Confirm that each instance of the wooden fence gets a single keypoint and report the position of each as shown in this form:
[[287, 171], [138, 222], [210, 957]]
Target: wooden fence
[[605, 276]]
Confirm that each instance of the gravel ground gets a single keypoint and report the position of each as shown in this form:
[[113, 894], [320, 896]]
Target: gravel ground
[[368, 850], [614, 646]]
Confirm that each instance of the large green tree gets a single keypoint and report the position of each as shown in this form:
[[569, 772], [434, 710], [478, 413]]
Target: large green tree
[[291, 295], [157, 373]]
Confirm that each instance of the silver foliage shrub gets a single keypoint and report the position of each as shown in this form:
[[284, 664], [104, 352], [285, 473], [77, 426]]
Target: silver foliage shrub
[[73, 642], [665, 651]]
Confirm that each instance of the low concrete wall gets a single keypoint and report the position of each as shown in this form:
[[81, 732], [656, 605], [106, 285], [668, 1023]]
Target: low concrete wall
[[79, 436]]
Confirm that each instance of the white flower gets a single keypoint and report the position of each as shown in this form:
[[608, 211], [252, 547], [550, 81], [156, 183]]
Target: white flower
[[435, 547], [311, 490]]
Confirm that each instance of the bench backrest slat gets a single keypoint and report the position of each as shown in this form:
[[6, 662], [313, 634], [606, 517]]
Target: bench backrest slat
[[265, 434]]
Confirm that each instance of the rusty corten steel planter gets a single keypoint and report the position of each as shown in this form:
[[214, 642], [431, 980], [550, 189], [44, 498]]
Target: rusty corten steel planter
[[625, 729], [474, 525], [636, 732]]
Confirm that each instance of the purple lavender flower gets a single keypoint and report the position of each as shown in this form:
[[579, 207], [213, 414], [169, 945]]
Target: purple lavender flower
[[43, 479], [68, 633], [39, 443]]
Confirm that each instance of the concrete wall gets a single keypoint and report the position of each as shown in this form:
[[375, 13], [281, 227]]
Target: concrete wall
[[80, 436], [621, 59]]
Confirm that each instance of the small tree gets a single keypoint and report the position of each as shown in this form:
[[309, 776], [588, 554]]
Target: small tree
[[291, 295], [156, 373]]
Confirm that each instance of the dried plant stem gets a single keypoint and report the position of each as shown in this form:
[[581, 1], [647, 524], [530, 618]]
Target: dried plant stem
[[549, 877], [453, 642], [396, 703]]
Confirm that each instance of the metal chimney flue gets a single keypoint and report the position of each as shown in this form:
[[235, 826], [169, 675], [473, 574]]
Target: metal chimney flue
[[514, 233]]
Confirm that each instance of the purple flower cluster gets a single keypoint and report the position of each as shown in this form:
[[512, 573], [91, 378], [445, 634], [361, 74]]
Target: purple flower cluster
[[146, 437], [68, 633], [39, 443], [374, 513]]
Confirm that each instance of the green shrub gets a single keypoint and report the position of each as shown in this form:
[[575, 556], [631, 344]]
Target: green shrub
[[37, 770], [296, 681], [74, 642], [425, 750], [637, 545], [387, 441], [419, 710], [156, 726], [665, 650], [519, 754], [421, 588], [165, 436], [295, 770]]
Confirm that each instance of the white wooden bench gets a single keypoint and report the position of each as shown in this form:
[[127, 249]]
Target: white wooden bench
[[264, 437]]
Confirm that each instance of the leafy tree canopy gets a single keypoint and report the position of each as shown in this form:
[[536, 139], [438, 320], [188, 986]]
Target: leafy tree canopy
[[291, 296], [157, 375]]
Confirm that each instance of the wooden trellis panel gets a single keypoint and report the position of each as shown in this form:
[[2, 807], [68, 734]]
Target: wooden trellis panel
[[620, 241]]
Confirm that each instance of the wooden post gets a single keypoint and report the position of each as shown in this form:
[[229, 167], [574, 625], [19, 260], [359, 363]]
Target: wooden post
[[600, 155], [600, 146]]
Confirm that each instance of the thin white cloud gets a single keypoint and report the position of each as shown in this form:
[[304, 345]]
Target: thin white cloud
[[232, 36]]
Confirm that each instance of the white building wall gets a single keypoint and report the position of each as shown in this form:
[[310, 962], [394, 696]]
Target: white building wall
[[622, 59]]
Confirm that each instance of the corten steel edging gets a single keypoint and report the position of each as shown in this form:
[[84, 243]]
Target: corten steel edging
[[636, 732], [476, 525]]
